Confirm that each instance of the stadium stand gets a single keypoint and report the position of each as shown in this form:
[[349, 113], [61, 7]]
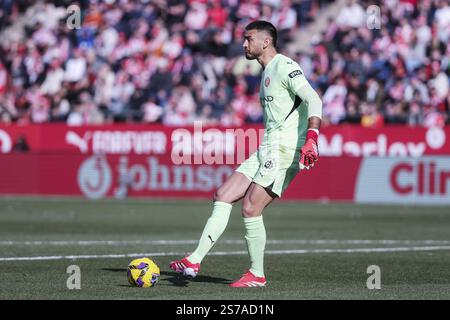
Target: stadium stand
[[175, 62]]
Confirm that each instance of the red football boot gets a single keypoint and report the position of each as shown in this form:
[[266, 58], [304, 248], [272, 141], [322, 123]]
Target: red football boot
[[249, 280], [185, 267]]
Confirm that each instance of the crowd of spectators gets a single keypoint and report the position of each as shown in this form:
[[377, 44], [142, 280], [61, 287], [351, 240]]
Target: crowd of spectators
[[392, 71], [176, 62]]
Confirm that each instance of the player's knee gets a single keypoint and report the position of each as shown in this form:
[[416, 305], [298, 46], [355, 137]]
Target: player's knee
[[249, 210], [220, 195]]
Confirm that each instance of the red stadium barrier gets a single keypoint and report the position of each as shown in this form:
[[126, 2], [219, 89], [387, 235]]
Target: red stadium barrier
[[97, 176], [158, 140], [392, 164], [376, 180]]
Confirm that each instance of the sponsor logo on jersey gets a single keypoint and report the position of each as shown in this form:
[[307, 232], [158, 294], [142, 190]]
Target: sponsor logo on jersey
[[295, 73], [267, 82]]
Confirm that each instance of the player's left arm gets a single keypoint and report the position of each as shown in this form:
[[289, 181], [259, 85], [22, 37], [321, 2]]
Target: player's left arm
[[309, 151], [299, 85]]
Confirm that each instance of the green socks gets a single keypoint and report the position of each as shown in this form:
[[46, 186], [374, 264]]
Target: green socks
[[256, 242], [214, 228]]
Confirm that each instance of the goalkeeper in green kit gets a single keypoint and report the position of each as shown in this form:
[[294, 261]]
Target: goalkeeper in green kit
[[292, 117]]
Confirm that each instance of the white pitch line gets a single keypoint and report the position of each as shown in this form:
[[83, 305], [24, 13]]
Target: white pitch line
[[226, 253], [182, 242]]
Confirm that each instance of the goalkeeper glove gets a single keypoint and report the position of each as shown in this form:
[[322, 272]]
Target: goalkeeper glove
[[309, 152]]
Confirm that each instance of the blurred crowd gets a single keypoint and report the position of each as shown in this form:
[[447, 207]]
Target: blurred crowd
[[176, 62], [392, 71]]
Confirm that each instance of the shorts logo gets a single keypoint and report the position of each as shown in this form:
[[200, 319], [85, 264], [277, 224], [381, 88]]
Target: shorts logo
[[295, 73], [267, 82], [268, 166]]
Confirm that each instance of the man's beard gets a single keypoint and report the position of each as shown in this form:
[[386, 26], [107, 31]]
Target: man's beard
[[249, 56]]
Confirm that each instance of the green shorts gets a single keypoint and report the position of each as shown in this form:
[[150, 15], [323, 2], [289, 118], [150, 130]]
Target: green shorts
[[273, 170]]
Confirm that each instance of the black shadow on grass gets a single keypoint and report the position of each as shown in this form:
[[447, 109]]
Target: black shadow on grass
[[124, 270], [176, 279]]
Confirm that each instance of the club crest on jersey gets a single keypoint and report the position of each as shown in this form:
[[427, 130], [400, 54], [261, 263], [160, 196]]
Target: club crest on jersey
[[267, 82]]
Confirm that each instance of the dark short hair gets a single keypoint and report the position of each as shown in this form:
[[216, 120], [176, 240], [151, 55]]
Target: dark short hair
[[262, 25]]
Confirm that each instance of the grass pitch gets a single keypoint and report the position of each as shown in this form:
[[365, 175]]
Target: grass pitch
[[314, 251]]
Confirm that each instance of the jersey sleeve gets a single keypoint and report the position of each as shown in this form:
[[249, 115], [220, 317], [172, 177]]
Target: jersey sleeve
[[296, 83], [293, 76]]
